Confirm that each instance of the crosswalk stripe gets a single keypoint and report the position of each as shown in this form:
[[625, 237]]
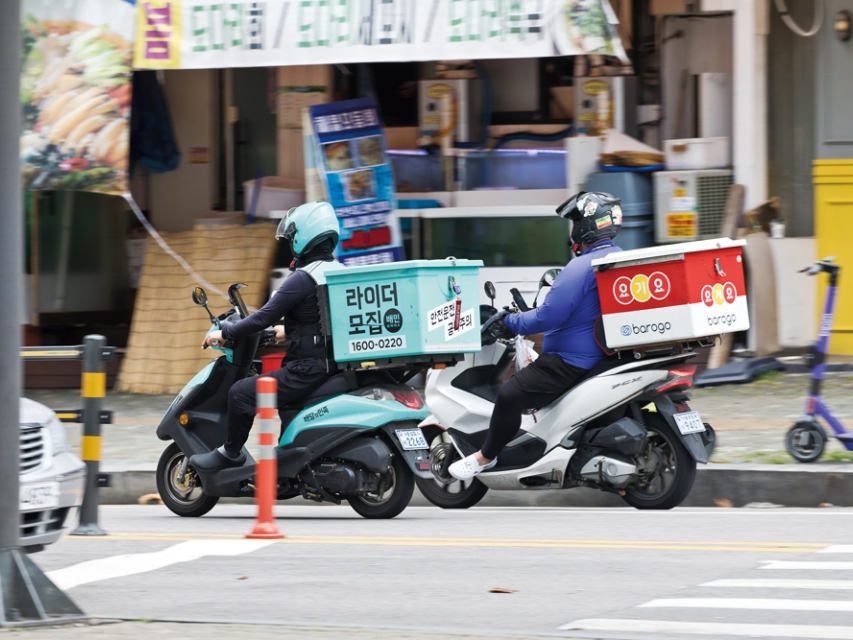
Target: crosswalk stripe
[[809, 566], [751, 603], [131, 564], [714, 628], [838, 548], [781, 584]]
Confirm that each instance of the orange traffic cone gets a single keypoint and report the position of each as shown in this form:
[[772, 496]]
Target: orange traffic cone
[[266, 471]]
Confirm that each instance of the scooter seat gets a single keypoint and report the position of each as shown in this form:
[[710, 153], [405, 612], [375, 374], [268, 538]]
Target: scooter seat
[[334, 386], [338, 384]]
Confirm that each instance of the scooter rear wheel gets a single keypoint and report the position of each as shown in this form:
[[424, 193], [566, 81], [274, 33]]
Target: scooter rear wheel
[[806, 441], [395, 499], [676, 472], [186, 498]]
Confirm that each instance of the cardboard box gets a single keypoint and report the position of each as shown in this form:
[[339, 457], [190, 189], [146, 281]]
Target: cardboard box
[[672, 294], [667, 7]]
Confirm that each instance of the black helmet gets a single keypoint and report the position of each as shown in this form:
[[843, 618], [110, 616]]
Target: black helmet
[[595, 216]]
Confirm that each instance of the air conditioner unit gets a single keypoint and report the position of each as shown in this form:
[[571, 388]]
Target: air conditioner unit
[[690, 205]]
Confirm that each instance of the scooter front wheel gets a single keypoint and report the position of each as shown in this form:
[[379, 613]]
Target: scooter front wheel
[[806, 441], [449, 493], [457, 495], [394, 498], [185, 498]]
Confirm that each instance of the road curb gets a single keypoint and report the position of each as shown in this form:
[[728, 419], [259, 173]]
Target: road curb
[[716, 485]]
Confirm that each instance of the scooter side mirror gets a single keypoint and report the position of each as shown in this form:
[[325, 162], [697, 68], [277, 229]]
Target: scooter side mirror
[[548, 278], [200, 297], [491, 293]]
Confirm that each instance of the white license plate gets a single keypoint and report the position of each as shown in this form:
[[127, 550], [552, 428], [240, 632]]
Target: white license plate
[[689, 422], [412, 439], [44, 495]]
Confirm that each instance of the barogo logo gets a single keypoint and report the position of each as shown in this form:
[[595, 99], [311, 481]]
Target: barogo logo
[[640, 329]]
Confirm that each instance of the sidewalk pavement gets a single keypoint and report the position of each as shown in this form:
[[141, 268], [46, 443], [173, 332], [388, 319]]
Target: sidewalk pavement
[[143, 630], [751, 420]]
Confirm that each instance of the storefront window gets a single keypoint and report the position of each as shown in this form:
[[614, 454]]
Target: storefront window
[[498, 242]]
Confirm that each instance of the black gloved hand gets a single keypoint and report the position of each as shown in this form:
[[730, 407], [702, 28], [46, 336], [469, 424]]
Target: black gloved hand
[[495, 328]]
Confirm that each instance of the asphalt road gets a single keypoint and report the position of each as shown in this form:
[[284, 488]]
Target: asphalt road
[[579, 573]]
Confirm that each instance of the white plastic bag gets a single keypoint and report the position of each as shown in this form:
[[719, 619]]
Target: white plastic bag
[[524, 353]]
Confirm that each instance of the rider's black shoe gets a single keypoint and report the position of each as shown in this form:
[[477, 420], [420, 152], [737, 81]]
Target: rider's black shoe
[[215, 461]]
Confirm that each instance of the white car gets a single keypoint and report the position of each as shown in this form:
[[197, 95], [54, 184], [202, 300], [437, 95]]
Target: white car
[[52, 478]]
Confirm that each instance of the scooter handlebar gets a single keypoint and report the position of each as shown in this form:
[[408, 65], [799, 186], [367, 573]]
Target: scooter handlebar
[[812, 270], [827, 265]]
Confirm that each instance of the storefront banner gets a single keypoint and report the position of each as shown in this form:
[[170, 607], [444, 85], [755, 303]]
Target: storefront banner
[[198, 34], [350, 154], [76, 93]]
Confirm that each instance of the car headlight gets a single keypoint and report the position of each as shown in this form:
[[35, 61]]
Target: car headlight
[[58, 437]]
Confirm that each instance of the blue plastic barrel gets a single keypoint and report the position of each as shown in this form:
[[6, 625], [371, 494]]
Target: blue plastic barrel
[[638, 205]]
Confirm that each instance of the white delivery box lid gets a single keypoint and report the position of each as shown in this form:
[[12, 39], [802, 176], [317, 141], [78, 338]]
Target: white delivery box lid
[[672, 294]]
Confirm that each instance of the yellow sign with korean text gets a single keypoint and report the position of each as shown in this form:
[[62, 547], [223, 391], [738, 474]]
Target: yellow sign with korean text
[[681, 225], [158, 35]]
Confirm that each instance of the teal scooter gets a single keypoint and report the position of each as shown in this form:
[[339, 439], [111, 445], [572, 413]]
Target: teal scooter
[[355, 438]]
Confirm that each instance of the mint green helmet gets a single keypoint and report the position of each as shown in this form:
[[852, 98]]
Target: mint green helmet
[[307, 225]]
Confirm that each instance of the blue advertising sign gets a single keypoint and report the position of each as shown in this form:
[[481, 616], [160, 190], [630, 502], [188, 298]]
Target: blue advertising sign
[[350, 146]]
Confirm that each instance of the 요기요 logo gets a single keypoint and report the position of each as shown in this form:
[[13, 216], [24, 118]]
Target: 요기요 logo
[[719, 294], [641, 288]]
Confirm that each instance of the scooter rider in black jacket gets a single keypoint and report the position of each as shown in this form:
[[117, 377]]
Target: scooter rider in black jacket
[[312, 230]]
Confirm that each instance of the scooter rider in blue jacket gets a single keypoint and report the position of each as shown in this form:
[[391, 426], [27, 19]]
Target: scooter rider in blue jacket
[[312, 229], [567, 317]]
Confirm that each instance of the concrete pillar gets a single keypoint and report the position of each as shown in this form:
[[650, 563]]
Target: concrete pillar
[[749, 144]]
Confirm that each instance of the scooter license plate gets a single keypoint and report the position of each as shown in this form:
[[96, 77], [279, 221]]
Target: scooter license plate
[[689, 422], [412, 439]]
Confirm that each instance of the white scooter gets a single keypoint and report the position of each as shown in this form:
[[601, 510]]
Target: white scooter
[[625, 429]]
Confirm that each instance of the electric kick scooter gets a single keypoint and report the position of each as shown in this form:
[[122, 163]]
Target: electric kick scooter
[[807, 439]]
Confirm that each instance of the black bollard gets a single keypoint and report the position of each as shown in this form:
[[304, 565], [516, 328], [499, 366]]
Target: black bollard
[[26, 594], [93, 389]]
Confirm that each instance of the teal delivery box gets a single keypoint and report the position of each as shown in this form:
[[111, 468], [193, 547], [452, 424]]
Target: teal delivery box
[[419, 311]]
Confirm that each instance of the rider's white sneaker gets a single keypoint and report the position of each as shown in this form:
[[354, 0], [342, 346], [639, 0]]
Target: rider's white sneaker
[[467, 468]]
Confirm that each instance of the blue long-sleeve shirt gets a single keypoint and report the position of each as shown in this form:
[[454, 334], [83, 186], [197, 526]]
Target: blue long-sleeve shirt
[[568, 314]]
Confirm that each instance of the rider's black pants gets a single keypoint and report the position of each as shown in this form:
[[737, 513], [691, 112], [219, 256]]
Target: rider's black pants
[[297, 378], [539, 383]]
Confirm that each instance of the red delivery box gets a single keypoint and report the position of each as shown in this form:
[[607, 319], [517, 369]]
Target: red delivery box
[[677, 293]]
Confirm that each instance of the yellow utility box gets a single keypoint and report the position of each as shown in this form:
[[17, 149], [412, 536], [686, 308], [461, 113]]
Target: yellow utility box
[[833, 194]]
